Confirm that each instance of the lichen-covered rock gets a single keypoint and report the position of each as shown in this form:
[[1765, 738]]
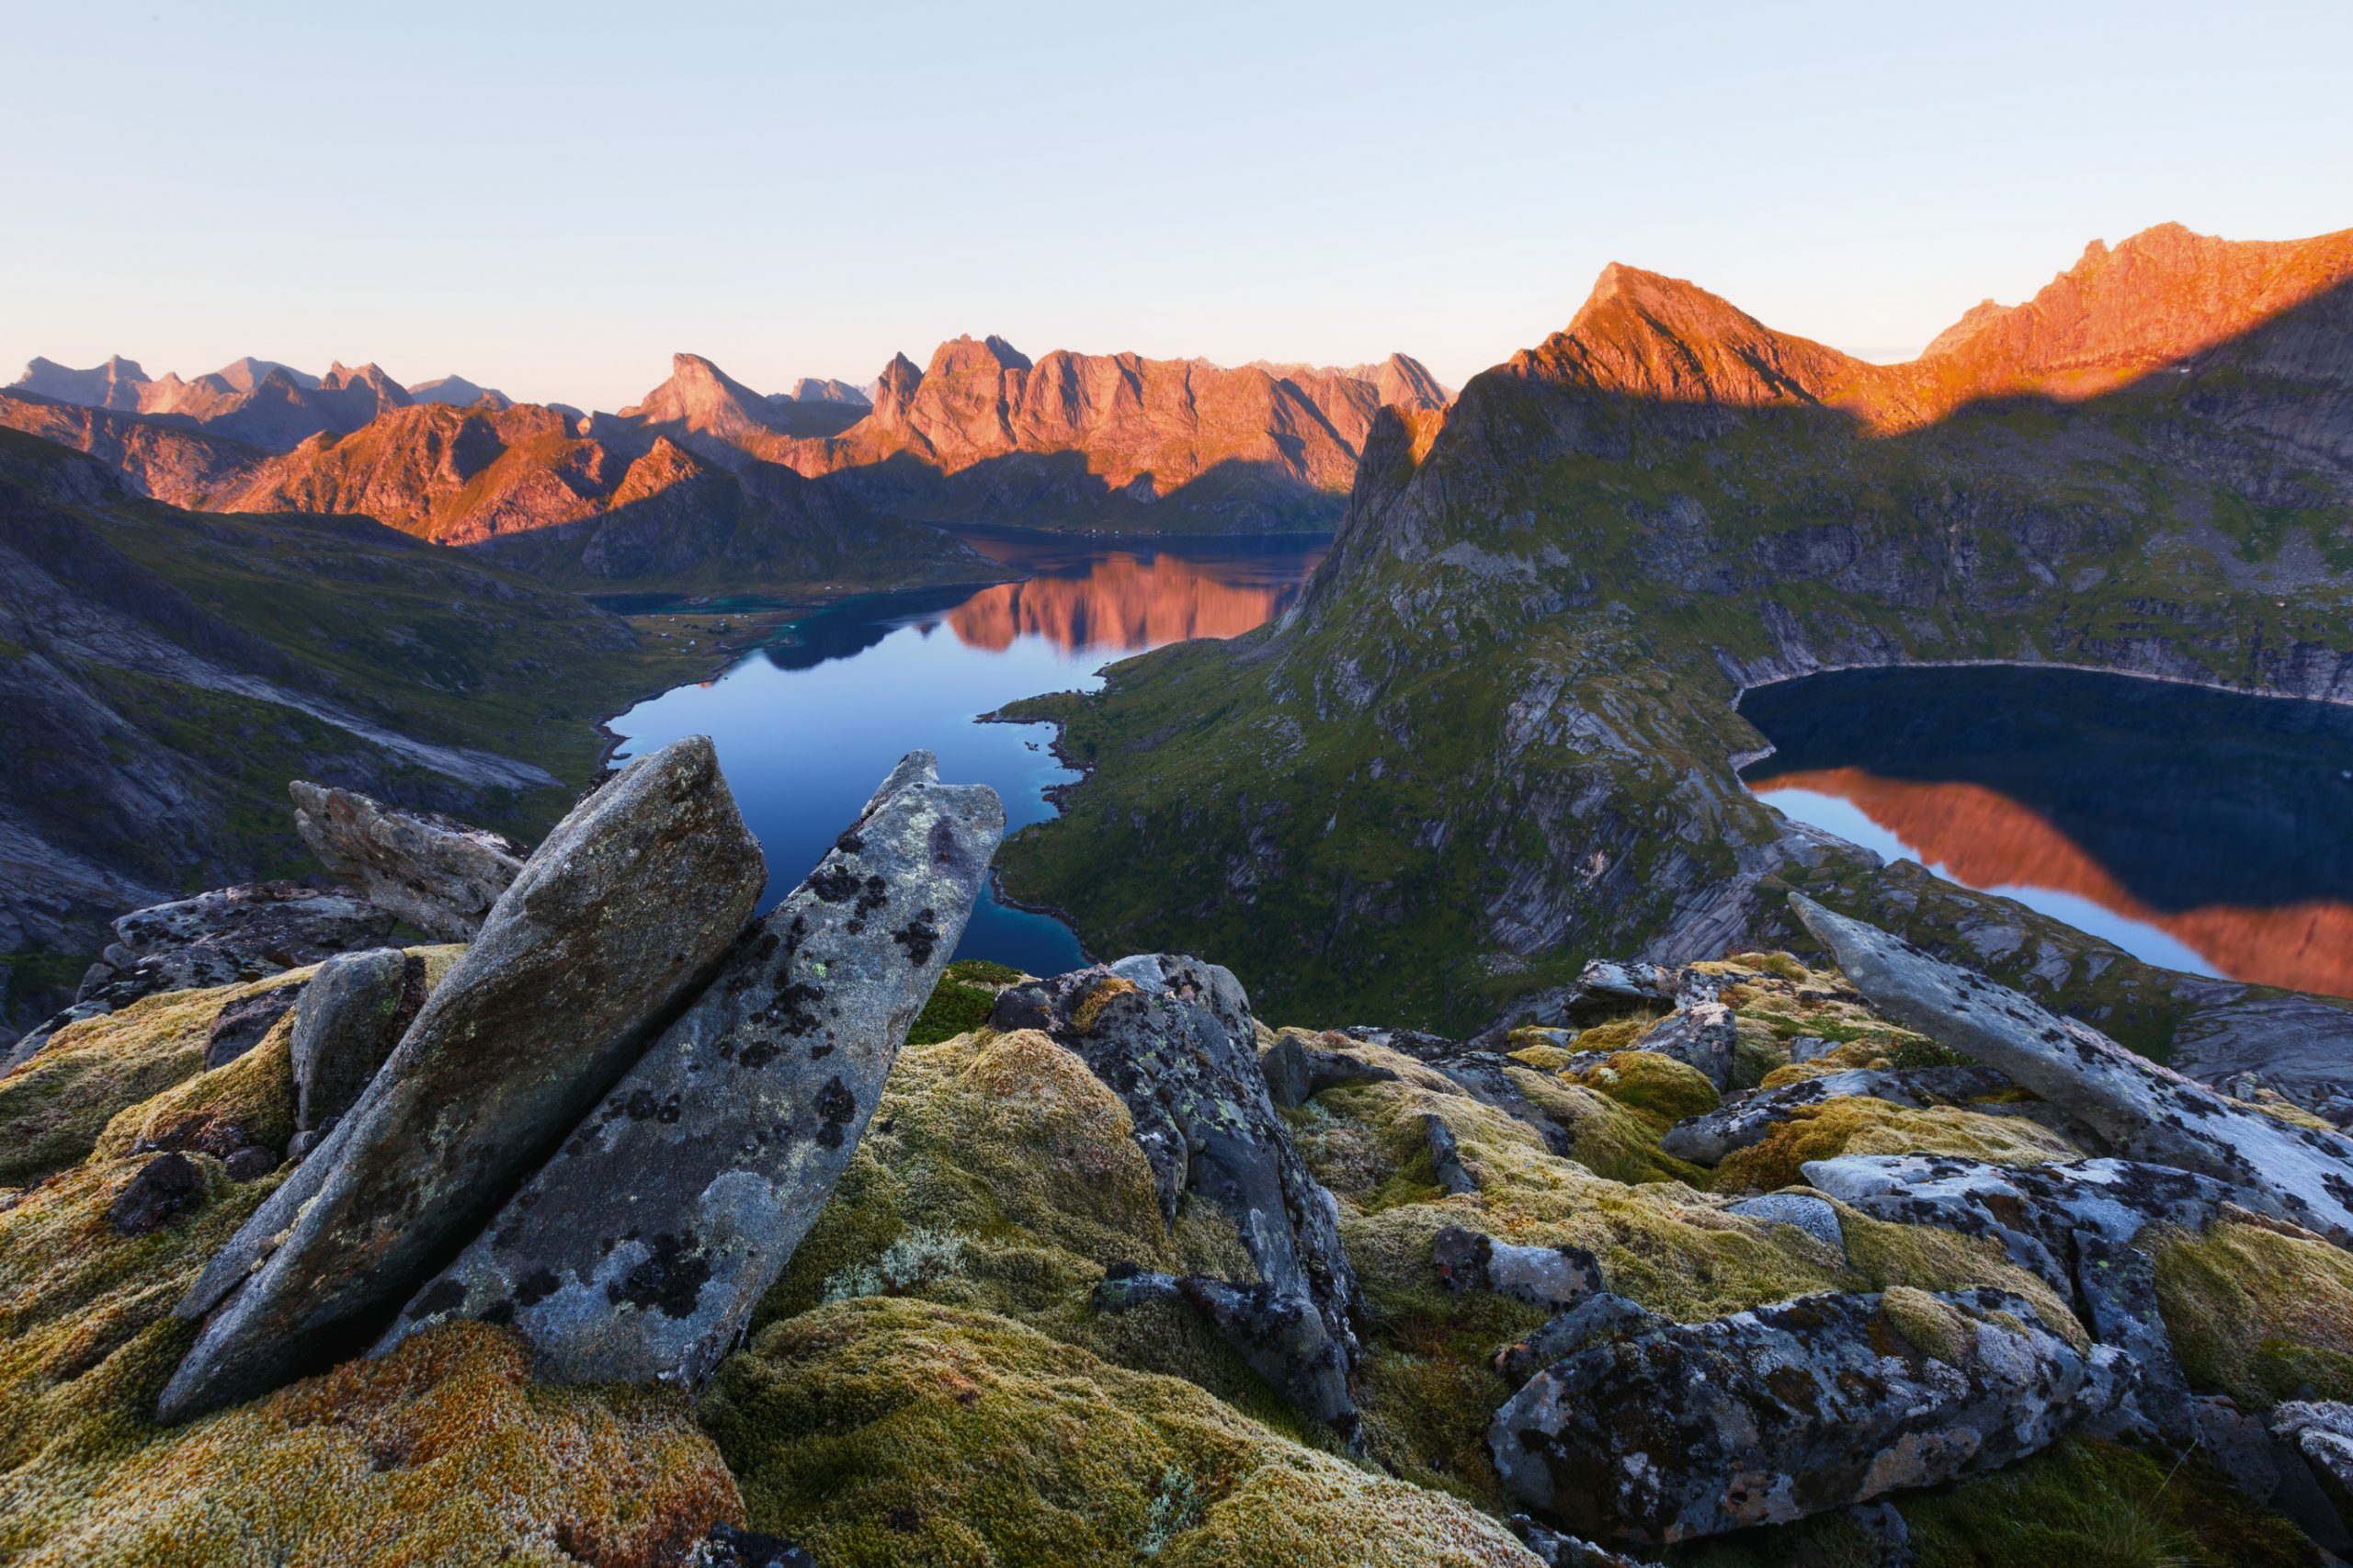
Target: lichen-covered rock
[[638, 1252], [438, 874], [1706, 1139], [879, 1432], [1544, 1276], [355, 1009], [1172, 1038], [2143, 1110], [217, 939], [1815, 1217], [1828, 1130], [1700, 1033], [1768, 1415], [240, 1026], [620, 915]]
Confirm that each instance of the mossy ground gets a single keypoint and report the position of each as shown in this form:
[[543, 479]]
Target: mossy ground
[[1852, 1125], [2261, 1316]]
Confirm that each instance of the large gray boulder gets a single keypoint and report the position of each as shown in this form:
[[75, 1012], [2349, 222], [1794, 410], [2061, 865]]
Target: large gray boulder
[[2140, 1109], [1172, 1037], [354, 1011], [1683, 1430], [639, 1250], [621, 914], [438, 874]]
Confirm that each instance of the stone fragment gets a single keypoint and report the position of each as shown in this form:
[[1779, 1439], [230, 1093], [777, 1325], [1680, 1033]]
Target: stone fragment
[[1297, 1071], [1555, 1550], [2143, 1111], [166, 1187], [1769, 1416], [2270, 1470], [637, 1253], [1702, 1033], [240, 1026], [1544, 1276], [1815, 1217], [438, 874], [250, 1163], [1740, 1124], [355, 1010], [619, 917], [1172, 1038], [1446, 1156], [1591, 1321], [728, 1547]]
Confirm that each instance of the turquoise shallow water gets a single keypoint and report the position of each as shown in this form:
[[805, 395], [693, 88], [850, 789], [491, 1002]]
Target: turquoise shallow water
[[807, 726]]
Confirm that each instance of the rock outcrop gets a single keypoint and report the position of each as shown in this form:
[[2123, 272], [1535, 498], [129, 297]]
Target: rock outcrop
[[1684, 1430], [546, 1008], [637, 1253], [355, 1010], [438, 874], [1172, 1038], [1738, 1124], [2143, 1110]]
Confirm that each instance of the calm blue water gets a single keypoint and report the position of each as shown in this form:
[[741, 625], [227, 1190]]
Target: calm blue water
[[807, 727]]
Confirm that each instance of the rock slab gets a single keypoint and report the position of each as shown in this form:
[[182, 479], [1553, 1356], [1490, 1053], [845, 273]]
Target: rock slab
[[354, 1011], [438, 874], [638, 1252], [2143, 1110], [620, 916]]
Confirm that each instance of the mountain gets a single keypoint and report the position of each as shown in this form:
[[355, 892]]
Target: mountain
[[521, 486], [165, 459], [257, 402], [985, 435], [459, 390], [808, 389], [162, 673], [1494, 739]]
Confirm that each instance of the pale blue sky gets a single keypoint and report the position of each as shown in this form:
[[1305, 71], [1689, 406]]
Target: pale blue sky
[[551, 198]]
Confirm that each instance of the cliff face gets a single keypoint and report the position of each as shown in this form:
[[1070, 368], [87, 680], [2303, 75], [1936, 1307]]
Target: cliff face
[[985, 434], [522, 485], [160, 458], [1497, 728]]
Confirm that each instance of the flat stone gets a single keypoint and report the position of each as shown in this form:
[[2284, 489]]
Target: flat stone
[[438, 874], [1812, 1215], [2142, 1110], [620, 916], [637, 1253]]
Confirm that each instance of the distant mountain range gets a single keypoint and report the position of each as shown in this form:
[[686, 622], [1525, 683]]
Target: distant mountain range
[[983, 435], [1494, 739]]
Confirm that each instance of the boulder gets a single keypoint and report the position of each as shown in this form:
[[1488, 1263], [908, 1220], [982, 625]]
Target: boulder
[[220, 937], [1296, 1071], [1702, 1032], [2322, 1432], [1544, 1276], [1172, 1038], [1815, 1217], [621, 914], [355, 1010], [1768, 1415], [638, 1251], [2143, 1111], [438, 874], [1739, 1123], [166, 1187]]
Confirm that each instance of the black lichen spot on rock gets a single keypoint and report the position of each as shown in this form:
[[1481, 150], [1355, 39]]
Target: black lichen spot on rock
[[947, 850], [642, 1104], [849, 843], [835, 1104], [441, 1296], [669, 1281], [500, 1313], [919, 936], [835, 884], [536, 1287]]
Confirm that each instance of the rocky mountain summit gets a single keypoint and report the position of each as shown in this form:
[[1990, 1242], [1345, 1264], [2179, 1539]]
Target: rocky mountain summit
[[626, 1227], [1497, 734], [983, 432]]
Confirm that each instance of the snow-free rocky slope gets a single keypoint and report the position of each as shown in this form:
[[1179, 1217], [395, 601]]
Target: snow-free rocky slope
[[1495, 738]]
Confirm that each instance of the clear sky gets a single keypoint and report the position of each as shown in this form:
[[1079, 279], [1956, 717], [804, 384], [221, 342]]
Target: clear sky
[[550, 198]]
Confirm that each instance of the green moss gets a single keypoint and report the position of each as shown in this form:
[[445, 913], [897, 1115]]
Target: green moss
[[877, 1431], [253, 1095], [1857, 1125], [1662, 1090], [2258, 1315]]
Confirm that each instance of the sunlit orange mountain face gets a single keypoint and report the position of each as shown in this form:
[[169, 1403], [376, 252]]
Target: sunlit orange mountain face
[[1987, 840], [1125, 603]]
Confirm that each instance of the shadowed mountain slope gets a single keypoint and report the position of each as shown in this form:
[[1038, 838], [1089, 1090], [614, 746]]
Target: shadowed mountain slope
[[1494, 740]]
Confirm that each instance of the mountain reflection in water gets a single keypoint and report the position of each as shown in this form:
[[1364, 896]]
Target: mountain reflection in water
[[2196, 829], [806, 725]]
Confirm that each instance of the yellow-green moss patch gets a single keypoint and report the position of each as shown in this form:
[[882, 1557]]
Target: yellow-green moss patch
[[880, 1431], [1661, 1088], [2260, 1315], [1855, 1125]]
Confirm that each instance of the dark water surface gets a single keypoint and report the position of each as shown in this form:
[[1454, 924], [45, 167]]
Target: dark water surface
[[807, 726], [2197, 829]]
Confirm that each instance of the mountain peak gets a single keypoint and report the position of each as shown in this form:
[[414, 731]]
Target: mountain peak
[[964, 356]]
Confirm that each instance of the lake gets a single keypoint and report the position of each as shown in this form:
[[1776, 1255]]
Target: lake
[[807, 725], [2197, 829]]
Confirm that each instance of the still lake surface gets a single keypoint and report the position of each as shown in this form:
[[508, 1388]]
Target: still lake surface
[[2198, 830], [809, 724]]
